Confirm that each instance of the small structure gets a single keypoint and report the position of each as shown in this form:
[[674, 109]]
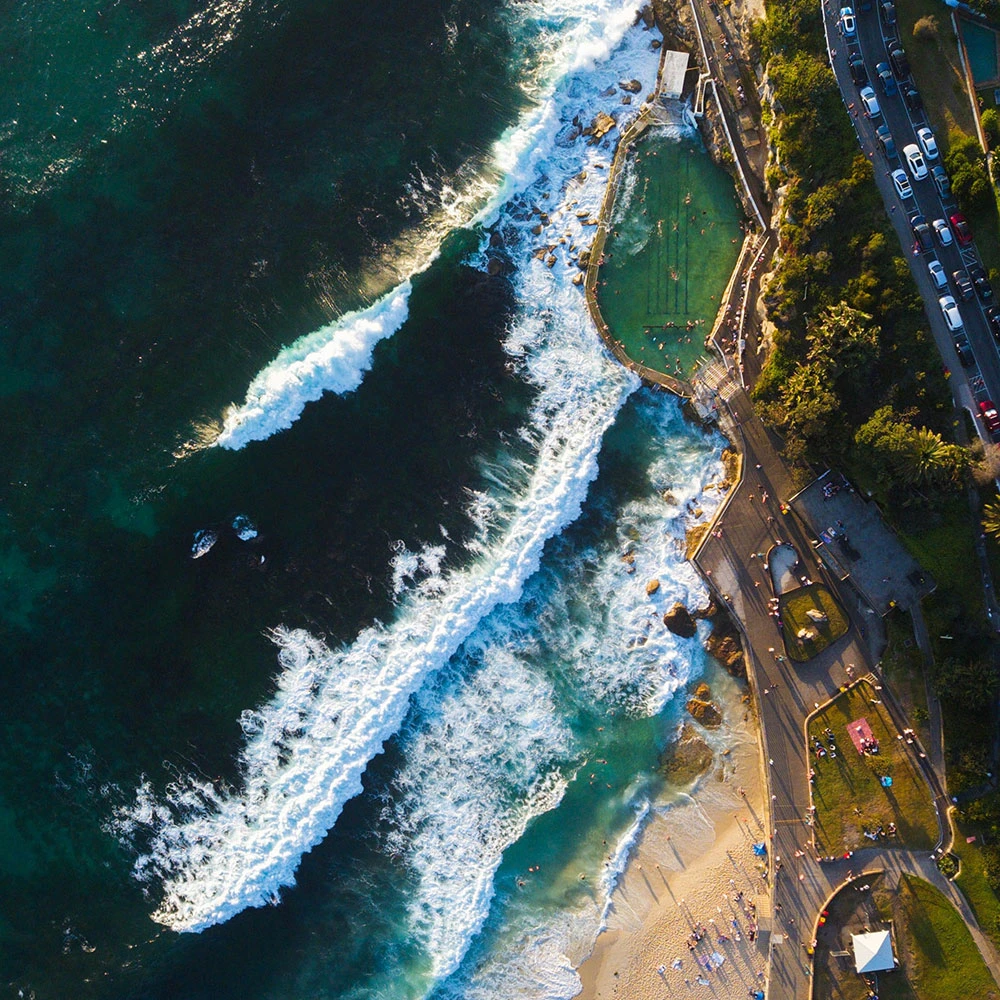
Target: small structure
[[817, 616], [675, 65], [873, 952]]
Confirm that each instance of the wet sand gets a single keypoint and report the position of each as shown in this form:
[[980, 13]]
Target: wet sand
[[692, 859]]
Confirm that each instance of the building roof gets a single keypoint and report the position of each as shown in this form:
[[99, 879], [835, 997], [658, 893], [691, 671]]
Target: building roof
[[873, 952], [675, 65]]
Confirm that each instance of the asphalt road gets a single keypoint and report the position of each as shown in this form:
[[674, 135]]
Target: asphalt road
[[970, 385]]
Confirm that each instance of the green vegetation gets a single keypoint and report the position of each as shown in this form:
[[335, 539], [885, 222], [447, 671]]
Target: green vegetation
[[794, 607], [847, 790], [854, 380], [978, 878], [991, 519], [939, 956], [903, 667]]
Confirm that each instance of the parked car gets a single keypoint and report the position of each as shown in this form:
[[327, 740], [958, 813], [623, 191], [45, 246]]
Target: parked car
[[915, 161], [941, 181], [964, 350], [927, 142], [937, 274], [900, 64], [990, 416], [963, 231], [902, 183], [942, 232], [993, 318], [889, 13], [981, 284], [870, 102], [962, 285], [913, 99], [923, 241], [949, 309], [885, 140], [886, 78], [858, 72], [848, 25]]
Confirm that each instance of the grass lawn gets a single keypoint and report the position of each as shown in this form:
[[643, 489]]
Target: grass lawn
[[944, 545], [903, 667], [851, 782], [939, 957], [972, 881], [793, 607]]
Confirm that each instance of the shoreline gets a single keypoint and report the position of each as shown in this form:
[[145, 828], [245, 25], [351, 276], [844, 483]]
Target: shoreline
[[691, 858]]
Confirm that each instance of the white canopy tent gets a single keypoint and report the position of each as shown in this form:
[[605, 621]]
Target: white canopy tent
[[873, 952]]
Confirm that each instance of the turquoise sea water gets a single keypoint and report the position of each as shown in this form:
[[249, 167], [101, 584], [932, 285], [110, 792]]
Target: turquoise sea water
[[432, 669]]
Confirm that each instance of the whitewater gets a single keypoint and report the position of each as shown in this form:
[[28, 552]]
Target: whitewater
[[208, 853]]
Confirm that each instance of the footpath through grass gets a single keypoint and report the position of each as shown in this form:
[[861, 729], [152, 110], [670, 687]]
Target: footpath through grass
[[972, 881], [848, 794]]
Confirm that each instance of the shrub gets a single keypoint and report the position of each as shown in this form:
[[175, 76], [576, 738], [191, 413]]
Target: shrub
[[926, 29], [991, 127], [948, 865]]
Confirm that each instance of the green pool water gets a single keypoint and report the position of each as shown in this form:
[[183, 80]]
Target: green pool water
[[981, 46], [673, 245]]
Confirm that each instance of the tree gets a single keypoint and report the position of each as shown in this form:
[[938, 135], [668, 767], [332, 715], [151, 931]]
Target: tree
[[926, 29], [966, 164], [991, 127], [902, 453], [991, 518]]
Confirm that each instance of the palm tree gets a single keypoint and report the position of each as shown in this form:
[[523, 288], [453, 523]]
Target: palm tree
[[991, 518], [929, 458]]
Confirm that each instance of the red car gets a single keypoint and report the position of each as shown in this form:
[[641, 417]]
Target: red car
[[990, 416], [963, 231]]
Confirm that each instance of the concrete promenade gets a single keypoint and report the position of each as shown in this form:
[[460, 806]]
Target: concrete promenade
[[785, 694]]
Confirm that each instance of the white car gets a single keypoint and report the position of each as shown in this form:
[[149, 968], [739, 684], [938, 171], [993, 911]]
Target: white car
[[870, 101], [949, 309], [927, 143], [937, 274], [902, 183], [942, 232], [915, 161], [848, 25]]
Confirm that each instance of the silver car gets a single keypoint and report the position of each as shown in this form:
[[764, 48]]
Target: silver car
[[915, 161], [949, 309]]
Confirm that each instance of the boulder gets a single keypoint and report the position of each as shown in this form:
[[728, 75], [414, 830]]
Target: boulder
[[678, 619], [687, 758], [653, 586], [724, 645], [703, 692], [632, 86], [493, 267], [601, 125], [705, 712]]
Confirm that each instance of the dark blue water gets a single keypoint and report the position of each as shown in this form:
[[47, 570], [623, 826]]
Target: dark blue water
[[187, 190]]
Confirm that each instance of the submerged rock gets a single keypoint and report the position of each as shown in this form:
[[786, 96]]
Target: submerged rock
[[244, 528], [687, 758], [203, 542], [704, 712], [678, 619], [632, 86]]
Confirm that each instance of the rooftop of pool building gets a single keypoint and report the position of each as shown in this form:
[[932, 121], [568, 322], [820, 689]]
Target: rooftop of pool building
[[674, 240]]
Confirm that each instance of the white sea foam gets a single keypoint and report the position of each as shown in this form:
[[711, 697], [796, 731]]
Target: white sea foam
[[214, 853], [482, 764], [575, 38], [331, 359]]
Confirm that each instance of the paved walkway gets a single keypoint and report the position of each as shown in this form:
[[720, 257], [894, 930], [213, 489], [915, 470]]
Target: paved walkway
[[786, 693]]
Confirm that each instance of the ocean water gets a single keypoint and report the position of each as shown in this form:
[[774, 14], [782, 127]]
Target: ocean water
[[392, 733]]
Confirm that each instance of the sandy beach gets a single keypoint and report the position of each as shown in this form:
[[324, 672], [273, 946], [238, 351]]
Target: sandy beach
[[693, 859]]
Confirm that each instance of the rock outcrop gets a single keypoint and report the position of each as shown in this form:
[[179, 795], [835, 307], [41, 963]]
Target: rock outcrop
[[678, 619], [704, 712], [687, 758]]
